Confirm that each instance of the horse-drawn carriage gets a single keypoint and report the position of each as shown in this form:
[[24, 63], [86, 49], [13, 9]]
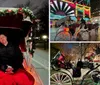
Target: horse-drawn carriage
[[15, 24], [82, 73], [70, 30]]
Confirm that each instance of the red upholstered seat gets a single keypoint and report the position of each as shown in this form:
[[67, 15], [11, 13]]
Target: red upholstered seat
[[21, 77]]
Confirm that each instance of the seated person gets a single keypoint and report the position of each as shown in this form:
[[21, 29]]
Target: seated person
[[11, 68]]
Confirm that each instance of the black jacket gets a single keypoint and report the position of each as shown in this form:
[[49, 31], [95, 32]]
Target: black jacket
[[11, 55]]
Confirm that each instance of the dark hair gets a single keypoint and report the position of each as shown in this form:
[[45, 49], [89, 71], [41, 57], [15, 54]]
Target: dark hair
[[3, 32]]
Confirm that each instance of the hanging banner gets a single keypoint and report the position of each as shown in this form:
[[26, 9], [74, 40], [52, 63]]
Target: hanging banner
[[79, 10], [87, 12], [83, 11], [82, 2]]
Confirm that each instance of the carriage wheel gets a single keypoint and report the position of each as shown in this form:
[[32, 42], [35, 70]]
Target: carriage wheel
[[60, 78], [59, 30], [90, 79], [63, 36]]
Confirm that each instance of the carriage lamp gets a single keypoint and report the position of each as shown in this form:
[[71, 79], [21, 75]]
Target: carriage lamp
[[44, 37]]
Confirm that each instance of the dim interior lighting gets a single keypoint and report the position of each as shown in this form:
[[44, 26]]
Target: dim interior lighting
[[44, 36]]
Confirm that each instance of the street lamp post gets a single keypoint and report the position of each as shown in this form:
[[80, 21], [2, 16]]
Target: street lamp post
[[32, 43], [44, 37], [80, 45], [33, 35], [38, 26]]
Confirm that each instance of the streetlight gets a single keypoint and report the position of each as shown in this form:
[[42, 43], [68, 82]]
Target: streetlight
[[44, 37]]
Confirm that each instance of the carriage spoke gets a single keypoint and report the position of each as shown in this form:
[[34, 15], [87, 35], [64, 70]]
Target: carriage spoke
[[55, 75], [53, 83], [59, 76], [61, 79], [53, 78], [66, 79]]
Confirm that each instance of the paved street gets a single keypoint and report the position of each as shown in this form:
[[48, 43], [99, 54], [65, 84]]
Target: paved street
[[40, 62], [53, 33]]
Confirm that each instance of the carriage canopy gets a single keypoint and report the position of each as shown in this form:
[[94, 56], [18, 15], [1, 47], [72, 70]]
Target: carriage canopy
[[16, 18]]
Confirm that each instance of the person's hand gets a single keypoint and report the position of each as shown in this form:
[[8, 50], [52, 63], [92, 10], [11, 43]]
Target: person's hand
[[9, 70]]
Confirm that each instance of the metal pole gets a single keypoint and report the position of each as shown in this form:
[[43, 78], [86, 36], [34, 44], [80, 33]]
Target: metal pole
[[34, 35], [81, 51], [33, 40], [80, 44]]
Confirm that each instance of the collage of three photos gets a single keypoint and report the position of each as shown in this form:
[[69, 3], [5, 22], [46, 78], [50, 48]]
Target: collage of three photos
[[49, 42]]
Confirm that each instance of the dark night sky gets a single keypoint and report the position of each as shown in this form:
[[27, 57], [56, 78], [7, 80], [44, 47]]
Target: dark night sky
[[35, 6], [12, 3], [95, 4]]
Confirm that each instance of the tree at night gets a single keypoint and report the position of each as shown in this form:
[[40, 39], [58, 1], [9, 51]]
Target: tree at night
[[43, 15]]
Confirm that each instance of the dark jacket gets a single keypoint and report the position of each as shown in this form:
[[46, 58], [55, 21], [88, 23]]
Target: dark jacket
[[10, 55]]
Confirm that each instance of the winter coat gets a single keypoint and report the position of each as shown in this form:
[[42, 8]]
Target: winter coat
[[10, 55]]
